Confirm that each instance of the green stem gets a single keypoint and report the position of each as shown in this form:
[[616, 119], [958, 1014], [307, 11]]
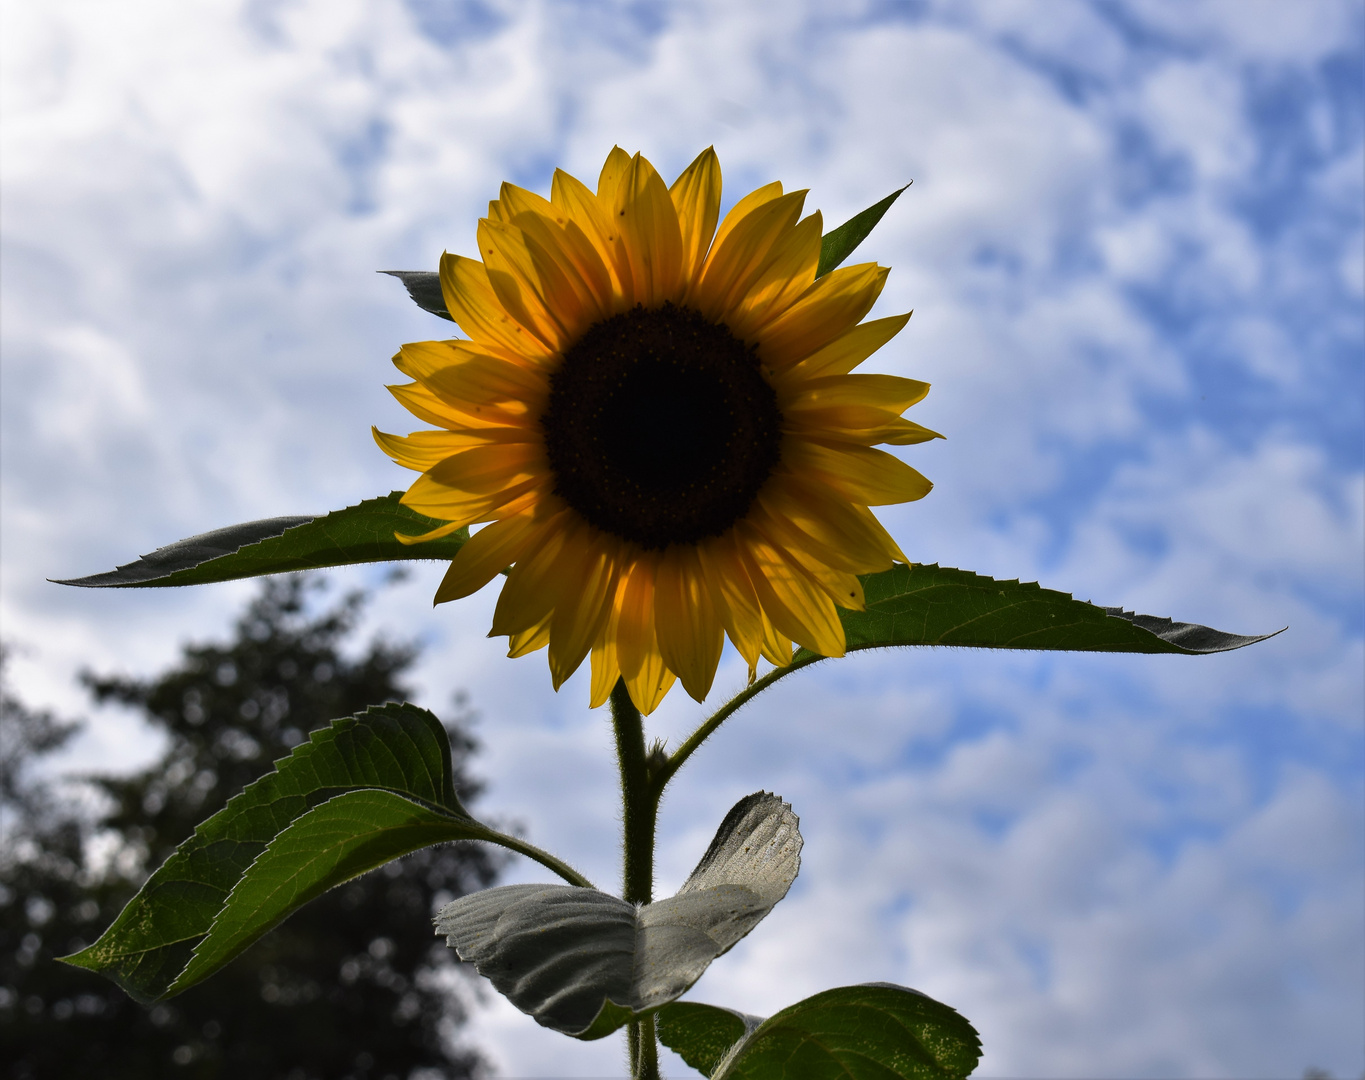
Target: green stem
[[558, 866], [676, 760], [640, 807]]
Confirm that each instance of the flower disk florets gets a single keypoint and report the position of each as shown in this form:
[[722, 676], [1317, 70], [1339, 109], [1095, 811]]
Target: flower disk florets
[[660, 427]]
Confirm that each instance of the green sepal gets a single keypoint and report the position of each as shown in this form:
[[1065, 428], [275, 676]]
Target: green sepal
[[392, 748], [877, 1030], [363, 533], [838, 244]]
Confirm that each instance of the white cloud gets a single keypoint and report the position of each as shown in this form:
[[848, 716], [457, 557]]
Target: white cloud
[[1084, 854]]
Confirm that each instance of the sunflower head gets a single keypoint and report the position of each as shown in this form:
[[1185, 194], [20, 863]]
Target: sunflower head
[[658, 420]]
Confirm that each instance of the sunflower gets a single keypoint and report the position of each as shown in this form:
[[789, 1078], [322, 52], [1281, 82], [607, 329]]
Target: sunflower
[[657, 419]]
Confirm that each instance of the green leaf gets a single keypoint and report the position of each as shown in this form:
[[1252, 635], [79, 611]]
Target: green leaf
[[583, 962], [341, 839], [396, 748], [877, 1030], [838, 244], [926, 604], [362, 533], [424, 286]]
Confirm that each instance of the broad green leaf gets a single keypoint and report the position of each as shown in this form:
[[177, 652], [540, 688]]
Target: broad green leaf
[[424, 286], [344, 837], [838, 244], [877, 1031], [398, 748], [362, 533], [583, 962], [926, 604]]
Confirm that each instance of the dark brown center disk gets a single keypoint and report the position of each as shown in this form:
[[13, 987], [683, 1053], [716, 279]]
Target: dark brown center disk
[[660, 427]]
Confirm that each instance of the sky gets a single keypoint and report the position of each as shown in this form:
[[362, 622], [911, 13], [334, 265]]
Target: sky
[[1134, 250]]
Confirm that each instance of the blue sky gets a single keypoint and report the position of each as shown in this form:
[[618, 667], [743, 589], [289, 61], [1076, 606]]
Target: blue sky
[[1135, 253]]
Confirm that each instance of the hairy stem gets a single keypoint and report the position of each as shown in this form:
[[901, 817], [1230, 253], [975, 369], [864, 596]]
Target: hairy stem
[[550, 862], [640, 806], [675, 761]]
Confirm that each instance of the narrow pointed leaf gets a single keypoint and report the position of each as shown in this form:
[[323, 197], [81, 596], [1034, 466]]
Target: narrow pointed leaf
[[926, 604], [398, 748], [838, 244], [424, 286], [583, 962], [877, 1030], [342, 838], [363, 533]]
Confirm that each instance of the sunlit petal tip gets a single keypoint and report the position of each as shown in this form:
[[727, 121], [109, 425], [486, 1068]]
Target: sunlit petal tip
[[655, 421]]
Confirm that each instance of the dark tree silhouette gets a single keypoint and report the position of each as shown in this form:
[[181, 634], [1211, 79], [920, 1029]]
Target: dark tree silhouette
[[355, 985]]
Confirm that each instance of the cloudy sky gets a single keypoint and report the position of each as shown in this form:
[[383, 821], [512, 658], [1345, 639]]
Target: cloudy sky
[[1134, 250]]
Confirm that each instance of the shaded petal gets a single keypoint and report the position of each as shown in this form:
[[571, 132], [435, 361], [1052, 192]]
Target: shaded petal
[[848, 350], [745, 206], [829, 308], [475, 382], [584, 209], [609, 179], [649, 225], [583, 604], [839, 426], [533, 584], [487, 553], [788, 272], [476, 309], [605, 670], [690, 634], [637, 646], [696, 197], [796, 606], [528, 641], [737, 258], [533, 291], [885, 393], [733, 595], [827, 527], [863, 474], [423, 449]]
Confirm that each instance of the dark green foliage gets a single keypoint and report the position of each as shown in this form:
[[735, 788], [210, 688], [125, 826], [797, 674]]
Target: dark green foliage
[[363, 533], [877, 1031], [357, 986]]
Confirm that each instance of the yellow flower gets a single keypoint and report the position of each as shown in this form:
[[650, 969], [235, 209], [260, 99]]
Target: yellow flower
[[658, 419]]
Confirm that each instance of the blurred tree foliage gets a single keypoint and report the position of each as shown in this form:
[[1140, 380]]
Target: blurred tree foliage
[[356, 986]]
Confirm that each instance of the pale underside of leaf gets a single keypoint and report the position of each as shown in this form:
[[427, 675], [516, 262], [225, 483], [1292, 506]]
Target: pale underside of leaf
[[583, 962]]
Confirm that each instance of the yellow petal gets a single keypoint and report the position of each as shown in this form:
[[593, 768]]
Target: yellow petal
[[487, 553], [533, 291], [605, 671], [476, 309], [690, 634], [746, 206], [613, 169], [584, 210], [885, 393], [534, 582], [582, 606], [733, 595], [422, 538], [848, 350], [737, 259], [829, 308], [423, 449], [863, 474], [529, 640], [696, 197], [637, 646], [841, 425], [577, 259], [649, 225], [797, 607], [477, 382], [825, 526], [788, 272]]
